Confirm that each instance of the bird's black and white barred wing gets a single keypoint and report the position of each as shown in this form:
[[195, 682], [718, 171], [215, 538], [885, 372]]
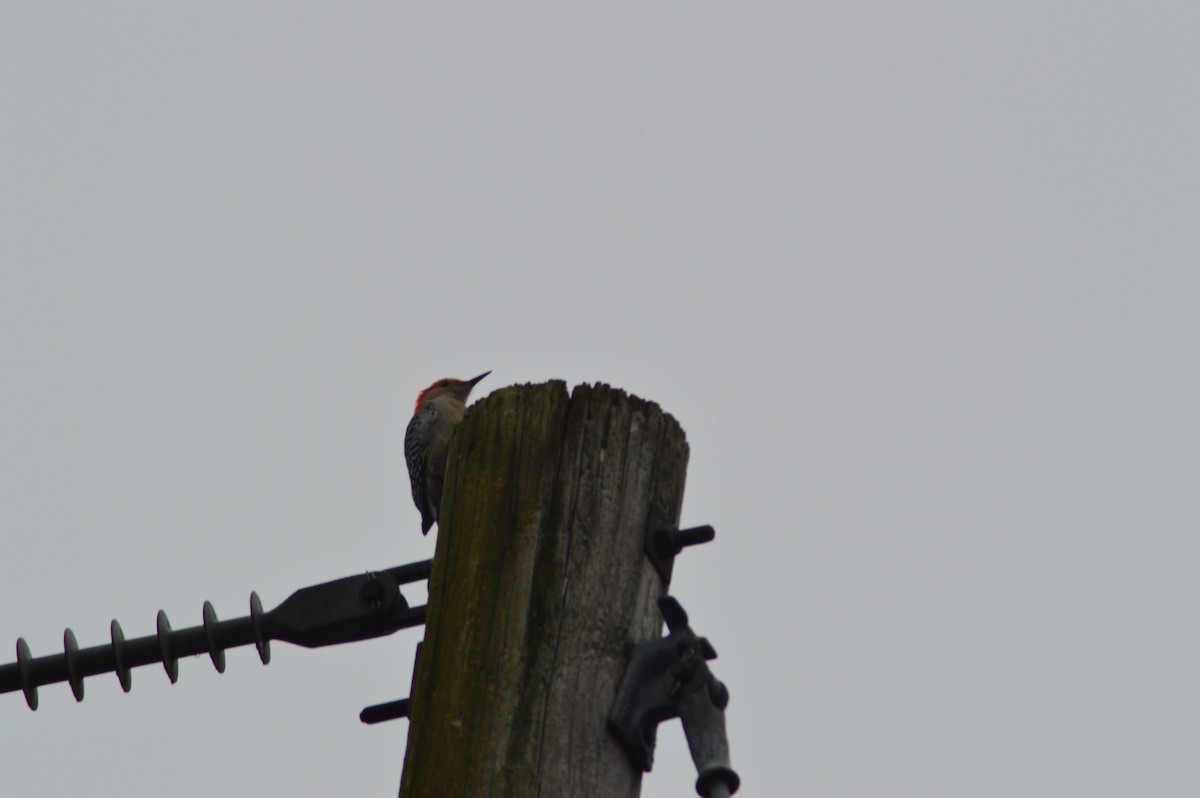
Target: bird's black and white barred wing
[[416, 439]]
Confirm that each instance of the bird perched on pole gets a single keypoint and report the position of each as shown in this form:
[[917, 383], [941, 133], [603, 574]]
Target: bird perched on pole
[[439, 410]]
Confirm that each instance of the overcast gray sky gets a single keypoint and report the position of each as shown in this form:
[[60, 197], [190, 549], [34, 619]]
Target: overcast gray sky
[[919, 280]]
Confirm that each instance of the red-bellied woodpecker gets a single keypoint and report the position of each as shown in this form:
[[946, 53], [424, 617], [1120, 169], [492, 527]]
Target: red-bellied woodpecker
[[439, 410]]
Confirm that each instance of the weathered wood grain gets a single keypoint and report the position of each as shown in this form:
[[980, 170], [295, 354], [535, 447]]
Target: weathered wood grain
[[539, 588]]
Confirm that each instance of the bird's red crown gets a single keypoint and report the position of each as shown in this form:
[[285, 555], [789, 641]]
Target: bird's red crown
[[444, 382]]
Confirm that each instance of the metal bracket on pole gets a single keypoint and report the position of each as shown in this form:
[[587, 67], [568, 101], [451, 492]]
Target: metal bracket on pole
[[664, 542], [669, 678], [393, 710]]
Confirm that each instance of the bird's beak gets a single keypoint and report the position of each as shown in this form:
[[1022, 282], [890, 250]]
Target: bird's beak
[[474, 380]]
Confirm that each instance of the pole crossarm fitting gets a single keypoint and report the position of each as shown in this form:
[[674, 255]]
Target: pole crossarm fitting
[[670, 678], [345, 610], [663, 542]]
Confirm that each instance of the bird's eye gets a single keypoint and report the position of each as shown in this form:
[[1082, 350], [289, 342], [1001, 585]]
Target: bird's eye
[[444, 384]]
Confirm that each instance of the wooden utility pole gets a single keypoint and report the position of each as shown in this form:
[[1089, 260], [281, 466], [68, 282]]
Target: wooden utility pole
[[540, 587]]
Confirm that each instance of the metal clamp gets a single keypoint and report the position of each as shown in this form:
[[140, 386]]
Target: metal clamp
[[669, 678]]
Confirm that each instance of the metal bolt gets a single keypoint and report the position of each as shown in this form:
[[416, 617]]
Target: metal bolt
[[373, 592]]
